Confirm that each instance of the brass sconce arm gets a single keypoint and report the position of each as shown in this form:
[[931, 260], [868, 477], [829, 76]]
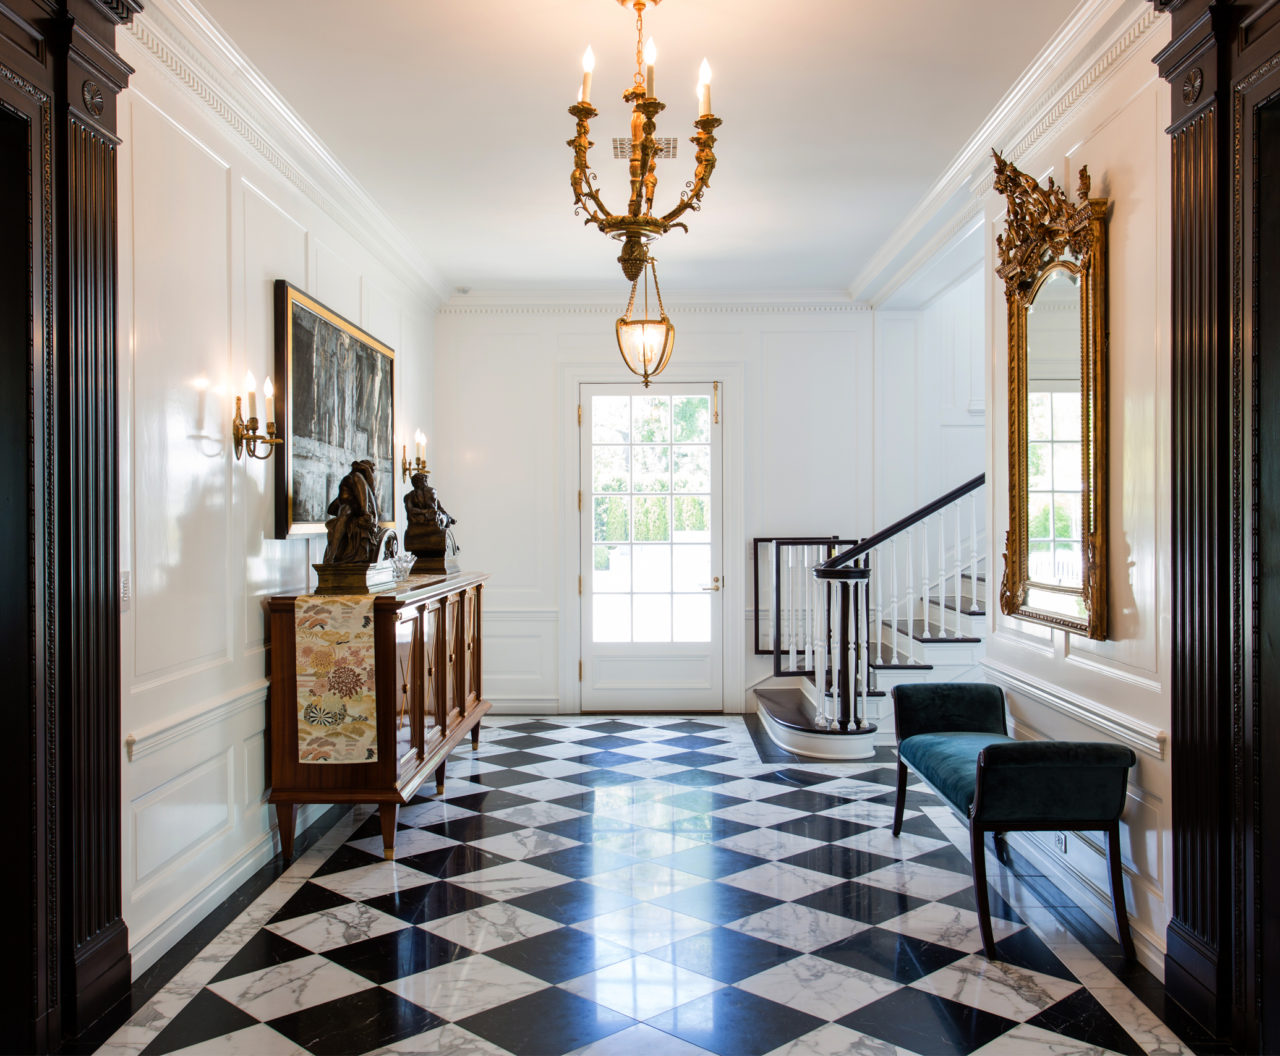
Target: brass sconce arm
[[409, 468], [705, 140], [585, 196], [246, 438]]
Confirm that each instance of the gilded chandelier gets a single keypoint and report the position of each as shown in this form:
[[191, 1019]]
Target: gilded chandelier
[[645, 343]]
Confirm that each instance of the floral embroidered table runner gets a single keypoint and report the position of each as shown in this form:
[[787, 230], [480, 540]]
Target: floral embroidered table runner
[[337, 704]]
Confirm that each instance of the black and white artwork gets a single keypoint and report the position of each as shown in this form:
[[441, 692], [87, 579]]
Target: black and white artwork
[[339, 409]]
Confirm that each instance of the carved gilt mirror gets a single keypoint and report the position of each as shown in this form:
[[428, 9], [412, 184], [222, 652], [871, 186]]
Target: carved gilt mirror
[[1052, 258]]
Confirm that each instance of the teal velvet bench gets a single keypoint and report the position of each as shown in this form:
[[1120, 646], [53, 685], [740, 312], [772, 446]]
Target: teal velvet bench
[[955, 737]]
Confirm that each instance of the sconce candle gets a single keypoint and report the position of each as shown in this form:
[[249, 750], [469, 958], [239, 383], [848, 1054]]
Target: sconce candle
[[250, 386], [588, 64], [704, 89], [269, 391], [650, 59]]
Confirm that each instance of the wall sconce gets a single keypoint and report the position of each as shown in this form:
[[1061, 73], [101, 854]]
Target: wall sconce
[[419, 463], [245, 433]]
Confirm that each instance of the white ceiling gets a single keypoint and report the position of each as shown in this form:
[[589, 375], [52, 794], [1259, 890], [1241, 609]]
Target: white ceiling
[[838, 116]]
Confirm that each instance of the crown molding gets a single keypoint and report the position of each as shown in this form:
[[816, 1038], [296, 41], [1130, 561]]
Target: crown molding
[[612, 303], [178, 39], [1095, 42]]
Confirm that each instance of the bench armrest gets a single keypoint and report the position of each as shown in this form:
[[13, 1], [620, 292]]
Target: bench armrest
[[948, 707], [1051, 781]]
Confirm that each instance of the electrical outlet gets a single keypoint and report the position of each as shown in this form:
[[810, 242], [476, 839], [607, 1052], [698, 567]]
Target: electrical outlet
[[126, 590], [1060, 841]]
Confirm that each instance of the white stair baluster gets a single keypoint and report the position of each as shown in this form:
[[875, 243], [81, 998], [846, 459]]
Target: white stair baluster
[[942, 573], [809, 593], [774, 625], [893, 600], [959, 560], [791, 603], [924, 576], [879, 613], [837, 659], [820, 656], [973, 553], [910, 593]]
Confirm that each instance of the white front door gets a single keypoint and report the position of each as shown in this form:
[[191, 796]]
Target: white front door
[[652, 614]]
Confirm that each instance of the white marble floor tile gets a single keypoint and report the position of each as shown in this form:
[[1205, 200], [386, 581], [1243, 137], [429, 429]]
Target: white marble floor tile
[[865, 813], [510, 880], [490, 926], [643, 927], [290, 986], [649, 768], [1141, 1023], [641, 987], [1003, 989], [524, 843], [820, 987], [1026, 1040], [339, 926], [769, 843], [797, 927], [778, 880], [258, 1040], [883, 841], [466, 986], [832, 1039], [533, 814], [432, 812], [555, 768], [646, 880], [450, 1039], [758, 814], [912, 878], [948, 926], [640, 1040], [651, 815], [545, 788], [645, 843], [379, 878]]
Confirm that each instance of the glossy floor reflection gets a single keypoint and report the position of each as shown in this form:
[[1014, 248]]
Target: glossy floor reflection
[[642, 885]]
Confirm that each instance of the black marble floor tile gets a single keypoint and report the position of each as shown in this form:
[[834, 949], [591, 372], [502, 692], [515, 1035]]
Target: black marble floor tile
[[902, 958], [732, 1022], [1080, 1016], [583, 860], [472, 828], [694, 759], [700, 800], [864, 902], [710, 861], [466, 859], [204, 1017], [491, 800], [528, 740], [502, 778], [605, 759], [601, 778], [690, 726], [606, 742], [309, 898], [921, 825], [365, 1020], [560, 955], [725, 954], [573, 902], [707, 827], [551, 1020], [946, 858], [844, 862], [693, 743], [794, 778], [347, 857], [264, 950], [965, 899], [613, 726], [716, 903], [385, 958], [920, 1022], [699, 778], [807, 800], [818, 827], [1024, 949], [428, 902]]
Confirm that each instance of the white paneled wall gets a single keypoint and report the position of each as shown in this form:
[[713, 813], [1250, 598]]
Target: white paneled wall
[[798, 402], [206, 226], [1062, 685]]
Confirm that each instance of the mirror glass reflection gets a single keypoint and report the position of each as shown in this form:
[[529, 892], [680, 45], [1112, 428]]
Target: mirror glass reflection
[[1055, 526]]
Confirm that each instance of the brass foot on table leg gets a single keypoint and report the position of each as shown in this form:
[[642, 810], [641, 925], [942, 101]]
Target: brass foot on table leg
[[389, 854]]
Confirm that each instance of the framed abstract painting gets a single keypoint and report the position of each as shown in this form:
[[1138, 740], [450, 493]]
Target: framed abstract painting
[[336, 407]]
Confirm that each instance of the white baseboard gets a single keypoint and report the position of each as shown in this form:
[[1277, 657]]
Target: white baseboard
[[523, 706], [148, 948]]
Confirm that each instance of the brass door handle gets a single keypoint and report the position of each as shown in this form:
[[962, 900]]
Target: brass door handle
[[716, 584]]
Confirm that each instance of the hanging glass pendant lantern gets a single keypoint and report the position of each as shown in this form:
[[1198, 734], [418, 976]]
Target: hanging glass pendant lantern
[[646, 343]]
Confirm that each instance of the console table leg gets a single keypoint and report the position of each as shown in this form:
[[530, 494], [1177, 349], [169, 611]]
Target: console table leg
[[475, 737], [284, 822], [387, 814], [440, 780]]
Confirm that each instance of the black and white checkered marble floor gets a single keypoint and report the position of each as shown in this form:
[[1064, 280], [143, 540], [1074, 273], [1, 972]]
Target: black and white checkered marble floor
[[642, 885]]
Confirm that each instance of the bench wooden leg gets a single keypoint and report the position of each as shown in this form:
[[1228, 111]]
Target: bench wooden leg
[[285, 813], [387, 813], [1117, 890], [900, 803], [979, 851]]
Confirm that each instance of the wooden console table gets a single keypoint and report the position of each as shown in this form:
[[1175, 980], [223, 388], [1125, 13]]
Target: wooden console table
[[426, 633]]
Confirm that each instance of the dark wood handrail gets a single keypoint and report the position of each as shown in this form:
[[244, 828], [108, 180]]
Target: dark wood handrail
[[885, 534]]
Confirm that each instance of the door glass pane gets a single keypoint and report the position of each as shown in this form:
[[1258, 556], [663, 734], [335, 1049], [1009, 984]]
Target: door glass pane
[[692, 469], [610, 419], [692, 621], [691, 568], [611, 569], [691, 419], [653, 523], [652, 618], [653, 569], [653, 469], [611, 469], [651, 419], [692, 519], [610, 521], [611, 618]]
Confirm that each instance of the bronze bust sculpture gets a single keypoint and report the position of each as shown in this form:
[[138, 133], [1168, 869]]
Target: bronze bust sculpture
[[427, 535], [359, 550]]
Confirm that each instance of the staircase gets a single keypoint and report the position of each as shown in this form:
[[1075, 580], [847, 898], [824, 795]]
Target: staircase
[[858, 617]]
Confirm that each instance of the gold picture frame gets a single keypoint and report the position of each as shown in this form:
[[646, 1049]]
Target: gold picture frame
[[1053, 257]]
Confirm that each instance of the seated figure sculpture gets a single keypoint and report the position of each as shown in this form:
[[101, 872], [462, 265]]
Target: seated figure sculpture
[[354, 535], [427, 535]]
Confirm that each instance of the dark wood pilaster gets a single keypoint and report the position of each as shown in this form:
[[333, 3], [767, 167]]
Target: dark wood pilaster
[[60, 759]]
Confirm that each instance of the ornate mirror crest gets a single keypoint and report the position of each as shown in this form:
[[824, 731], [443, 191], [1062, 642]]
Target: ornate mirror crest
[[1052, 258]]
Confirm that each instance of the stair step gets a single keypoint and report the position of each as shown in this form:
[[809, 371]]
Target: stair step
[[891, 659], [936, 633]]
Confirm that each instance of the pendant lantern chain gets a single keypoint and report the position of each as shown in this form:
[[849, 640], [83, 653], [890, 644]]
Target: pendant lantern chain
[[639, 47]]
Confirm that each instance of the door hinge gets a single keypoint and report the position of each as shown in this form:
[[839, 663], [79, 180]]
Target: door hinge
[[579, 415], [715, 403], [579, 500], [579, 670], [579, 586]]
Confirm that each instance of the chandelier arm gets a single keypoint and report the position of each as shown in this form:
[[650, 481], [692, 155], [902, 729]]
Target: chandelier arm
[[580, 177], [647, 169], [706, 162]]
